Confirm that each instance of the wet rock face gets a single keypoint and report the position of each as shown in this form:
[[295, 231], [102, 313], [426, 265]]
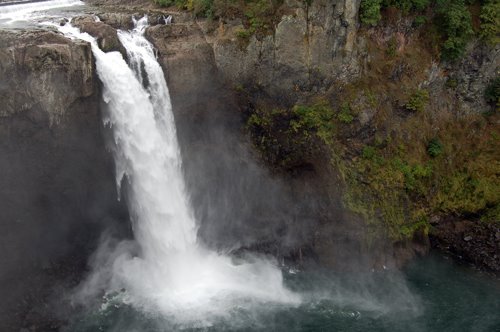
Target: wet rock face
[[56, 178]]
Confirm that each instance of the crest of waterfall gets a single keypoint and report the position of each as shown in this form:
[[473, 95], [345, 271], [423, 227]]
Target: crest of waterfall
[[173, 273]]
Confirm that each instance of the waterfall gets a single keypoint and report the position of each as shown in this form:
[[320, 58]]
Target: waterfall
[[173, 272]]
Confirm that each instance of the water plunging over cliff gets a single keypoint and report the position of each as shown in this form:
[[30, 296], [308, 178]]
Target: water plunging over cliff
[[173, 272]]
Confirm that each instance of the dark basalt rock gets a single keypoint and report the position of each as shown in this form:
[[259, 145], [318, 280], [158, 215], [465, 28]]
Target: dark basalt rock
[[106, 36], [57, 184], [470, 241]]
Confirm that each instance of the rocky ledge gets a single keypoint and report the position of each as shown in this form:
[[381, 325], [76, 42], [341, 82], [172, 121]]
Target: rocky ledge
[[470, 241]]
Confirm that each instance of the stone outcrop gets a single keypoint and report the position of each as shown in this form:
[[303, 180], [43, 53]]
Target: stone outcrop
[[57, 184], [311, 47], [105, 35], [43, 70], [470, 241]]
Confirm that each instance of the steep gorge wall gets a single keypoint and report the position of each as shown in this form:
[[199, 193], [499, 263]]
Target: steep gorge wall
[[57, 185]]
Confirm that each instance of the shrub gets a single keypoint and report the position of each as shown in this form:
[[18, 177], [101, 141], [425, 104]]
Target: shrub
[[418, 101], [420, 4], [492, 93], [407, 5], [164, 3], [419, 21], [345, 115], [490, 22], [451, 83], [313, 119], [455, 21], [434, 148], [392, 47], [368, 152], [244, 34], [370, 11]]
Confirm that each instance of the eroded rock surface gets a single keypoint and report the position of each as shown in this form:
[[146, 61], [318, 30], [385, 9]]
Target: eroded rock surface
[[311, 47]]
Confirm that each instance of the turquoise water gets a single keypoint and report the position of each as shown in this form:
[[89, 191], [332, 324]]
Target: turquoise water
[[431, 294]]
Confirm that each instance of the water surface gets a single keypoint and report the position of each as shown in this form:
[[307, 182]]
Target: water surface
[[443, 297]]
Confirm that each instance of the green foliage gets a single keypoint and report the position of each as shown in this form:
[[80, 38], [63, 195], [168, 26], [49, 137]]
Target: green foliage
[[345, 115], [412, 175], [261, 15], [491, 214], [467, 193], [164, 3], [492, 93], [451, 83], [453, 19], [490, 21], [418, 101], [455, 22], [392, 47], [419, 21], [244, 34], [204, 8], [407, 5], [313, 119], [370, 12], [420, 4], [258, 15], [419, 223], [434, 148], [368, 152], [289, 138]]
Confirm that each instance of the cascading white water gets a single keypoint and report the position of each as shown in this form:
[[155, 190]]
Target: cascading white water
[[29, 11], [173, 273]]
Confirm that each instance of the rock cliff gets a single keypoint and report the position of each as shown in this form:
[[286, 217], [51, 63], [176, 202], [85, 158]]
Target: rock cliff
[[57, 188]]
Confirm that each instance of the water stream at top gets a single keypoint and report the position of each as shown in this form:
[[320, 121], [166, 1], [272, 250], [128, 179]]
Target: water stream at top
[[30, 11]]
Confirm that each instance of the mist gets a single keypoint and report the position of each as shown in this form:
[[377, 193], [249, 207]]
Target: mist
[[166, 271]]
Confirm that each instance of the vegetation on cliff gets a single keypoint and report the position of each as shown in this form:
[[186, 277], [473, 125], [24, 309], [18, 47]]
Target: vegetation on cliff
[[401, 177], [403, 137], [418, 157], [258, 16], [452, 19]]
